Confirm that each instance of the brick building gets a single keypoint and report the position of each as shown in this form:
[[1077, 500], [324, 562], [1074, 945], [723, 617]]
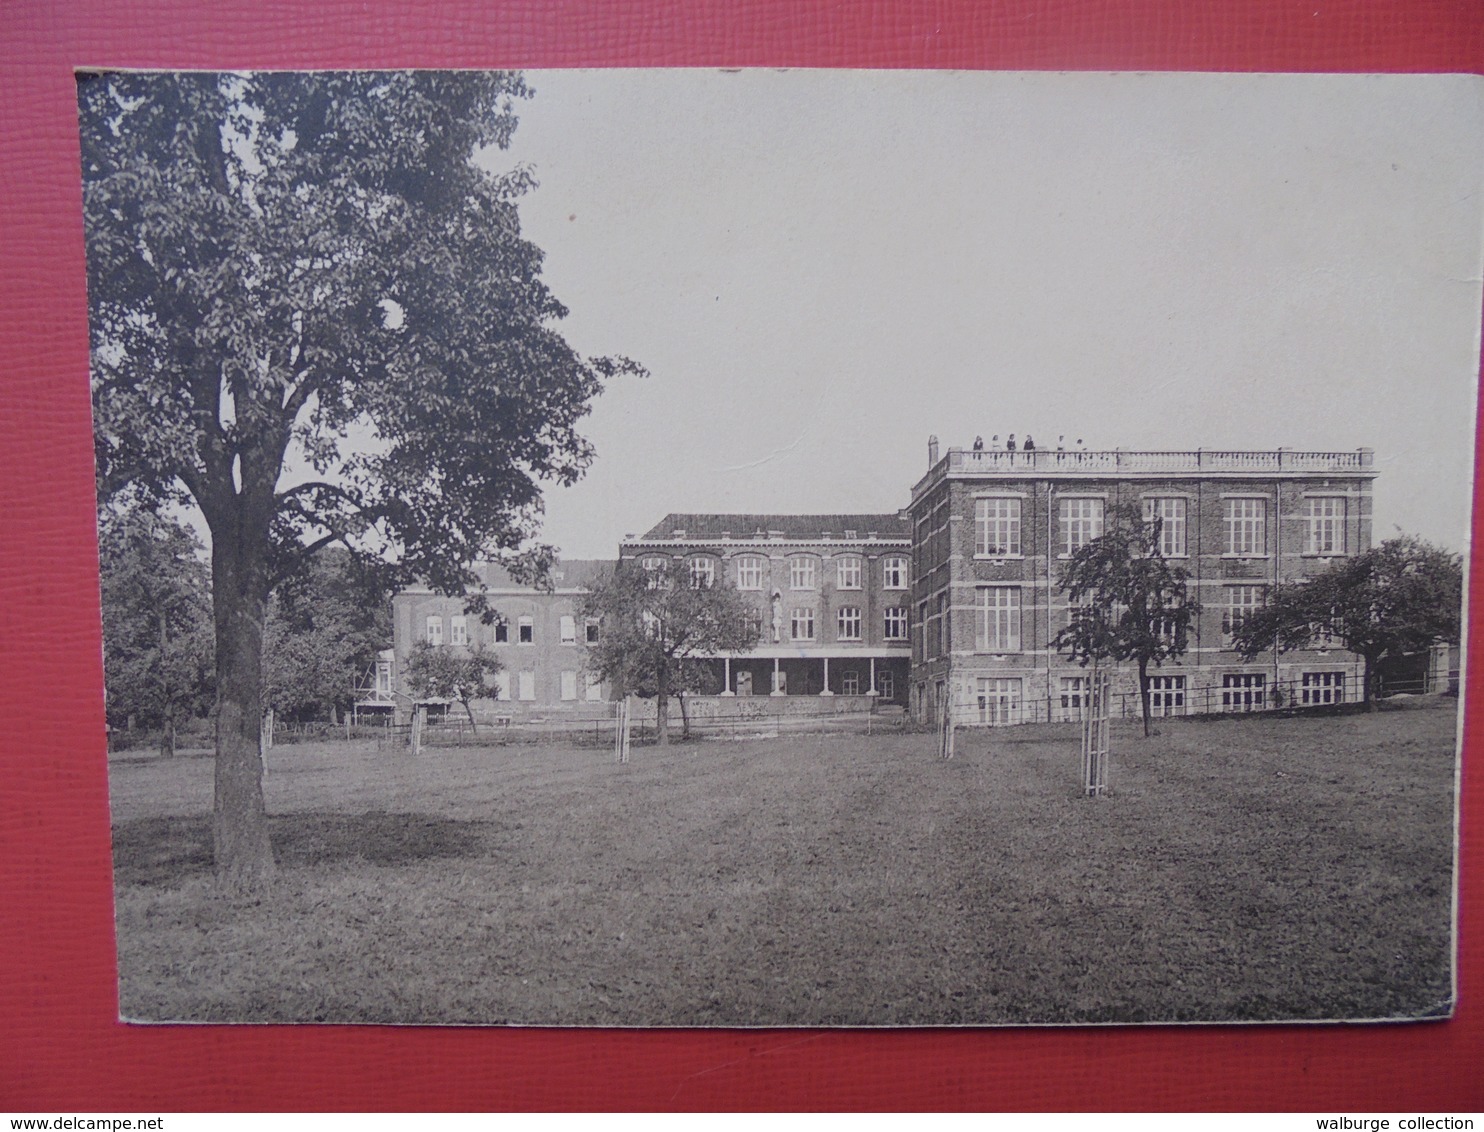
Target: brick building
[[991, 528], [540, 637], [830, 594]]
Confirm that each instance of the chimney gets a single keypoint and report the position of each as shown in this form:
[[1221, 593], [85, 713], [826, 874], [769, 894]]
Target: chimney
[[932, 451]]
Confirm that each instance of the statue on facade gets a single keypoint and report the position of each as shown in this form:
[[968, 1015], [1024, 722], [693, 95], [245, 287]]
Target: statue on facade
[[777, 617]]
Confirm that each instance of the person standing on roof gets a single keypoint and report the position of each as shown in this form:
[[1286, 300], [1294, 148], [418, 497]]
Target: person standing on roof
[[1010, 444]]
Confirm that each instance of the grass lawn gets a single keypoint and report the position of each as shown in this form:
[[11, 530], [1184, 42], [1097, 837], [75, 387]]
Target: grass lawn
[[1257, 868]]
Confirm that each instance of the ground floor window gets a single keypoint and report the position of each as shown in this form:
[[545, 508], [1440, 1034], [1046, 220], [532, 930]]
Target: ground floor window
[[1073, 698], [502, 686], [1243, 691], [1323, 688], [999, 700], [1167, 695], [885, 687], [569, 684], [594, 687], [528, 685], [850, 683]]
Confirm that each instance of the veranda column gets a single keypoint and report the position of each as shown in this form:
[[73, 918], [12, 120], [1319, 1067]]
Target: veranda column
[[825, 691], [726, 683], [871, 691], [777, 691]]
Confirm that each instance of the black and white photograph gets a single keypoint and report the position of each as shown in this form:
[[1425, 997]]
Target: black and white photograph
[[763, 548]]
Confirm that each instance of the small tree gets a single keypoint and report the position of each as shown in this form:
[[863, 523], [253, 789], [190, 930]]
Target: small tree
[[1128, 601], [446, 672], [157, 638], [656, 625], [1402, 596]]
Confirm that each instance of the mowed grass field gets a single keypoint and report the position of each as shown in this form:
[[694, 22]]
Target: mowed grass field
[[1257, 868]]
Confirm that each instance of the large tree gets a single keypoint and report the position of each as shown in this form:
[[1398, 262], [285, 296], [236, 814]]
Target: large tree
[[1402, 596], [1128, 601], [157, 639], [656, 624], [313, 315]]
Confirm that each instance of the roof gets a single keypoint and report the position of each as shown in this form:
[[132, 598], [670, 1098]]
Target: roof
[[566, 573], [707, 526]]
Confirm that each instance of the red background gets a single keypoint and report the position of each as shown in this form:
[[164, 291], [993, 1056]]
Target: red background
[[60, 1048]]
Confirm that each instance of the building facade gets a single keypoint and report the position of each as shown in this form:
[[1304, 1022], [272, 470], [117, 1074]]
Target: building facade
[[830, 595], [539, 635], [992, 529]]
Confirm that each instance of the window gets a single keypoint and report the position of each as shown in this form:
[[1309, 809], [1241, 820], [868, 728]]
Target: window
[[1167, 695], [1323, 688], [1246, 527], [502, 632], [886, 687], [801, 574], [945, 632], [1073, 698], [999, 619], [502, 686], [1322, 635], [894, 573], [1081, 522], [801, 625], [755, 625], [383, 679], [848, 623], [895, 626], [1241, 603], [750, 573], [435, 631], [919, 643], [1171, 516], [458, 631], [1243, 691], [1077, 605], [1324, 522], [999, 700], [569, 629], [594, 687], [702, 573], [526, 631], [569, 684], [850, 682], [591, 626], [997, 527], [528, 685], [658, 570], [848, 574]]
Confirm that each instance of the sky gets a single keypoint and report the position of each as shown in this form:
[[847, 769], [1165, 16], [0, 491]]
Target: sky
[[821, 268]]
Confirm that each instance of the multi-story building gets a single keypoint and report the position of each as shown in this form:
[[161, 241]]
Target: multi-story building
[[992, 529], [539, 635], [830, 594]]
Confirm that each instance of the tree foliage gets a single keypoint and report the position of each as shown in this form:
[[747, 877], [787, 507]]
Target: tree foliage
[[1400, 597], [1128, 601], [452, 672], [325, 627], [654, 627], [313, 314], [157, 640]]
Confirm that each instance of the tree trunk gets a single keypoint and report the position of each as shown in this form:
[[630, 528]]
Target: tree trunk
[[167, 734], [1144, 692], [1368, 681], [474, 727], [244, 857], [661, 709], [684, 716]]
